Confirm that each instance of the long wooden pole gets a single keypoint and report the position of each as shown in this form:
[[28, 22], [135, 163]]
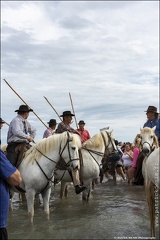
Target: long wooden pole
[[53, 108], [6, 123], [25, 103], [73, 110]]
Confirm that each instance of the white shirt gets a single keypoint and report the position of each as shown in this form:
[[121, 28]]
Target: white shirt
[[16, 131]]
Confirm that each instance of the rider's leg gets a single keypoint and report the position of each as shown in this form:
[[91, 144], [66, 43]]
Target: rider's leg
[[76, 181]]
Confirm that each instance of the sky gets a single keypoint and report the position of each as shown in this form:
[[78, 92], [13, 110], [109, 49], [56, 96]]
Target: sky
[[105, 54]]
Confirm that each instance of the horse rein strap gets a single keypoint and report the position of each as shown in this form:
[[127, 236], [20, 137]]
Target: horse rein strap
[[96, 152], [60, 152], [151, 147], [45, 156]]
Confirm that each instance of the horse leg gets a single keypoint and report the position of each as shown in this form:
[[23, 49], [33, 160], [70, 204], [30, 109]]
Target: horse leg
[[87, 191], [46, 198], [95, 182], [66, 190], [23, 197], [151, 204], [63, 189], [30, 196]]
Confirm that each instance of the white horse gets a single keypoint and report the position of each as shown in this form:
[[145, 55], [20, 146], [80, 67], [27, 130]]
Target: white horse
[[150, 171], [92, 152], [39, 162]]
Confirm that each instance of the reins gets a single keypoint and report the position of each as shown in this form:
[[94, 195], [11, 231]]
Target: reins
[[90, 151], [61, 161], [60, 152], [45, 156]]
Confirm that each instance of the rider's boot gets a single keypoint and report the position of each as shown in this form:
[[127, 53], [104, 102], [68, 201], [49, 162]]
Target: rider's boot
[[79, 189]]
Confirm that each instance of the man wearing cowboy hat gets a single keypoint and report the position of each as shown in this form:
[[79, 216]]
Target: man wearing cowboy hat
[[65, 124], [50, 131], [20, 132], [152, 116], [62, 127], [84, 134]]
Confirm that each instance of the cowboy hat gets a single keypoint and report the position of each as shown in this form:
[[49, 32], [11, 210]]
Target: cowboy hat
[[67, 113], [52, 122], [151, 109], [81, 122], [1, 121], [24, 108]]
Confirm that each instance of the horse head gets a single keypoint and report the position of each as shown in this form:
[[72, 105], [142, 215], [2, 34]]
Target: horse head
[[110, 147], [69, 150], [149, 140]]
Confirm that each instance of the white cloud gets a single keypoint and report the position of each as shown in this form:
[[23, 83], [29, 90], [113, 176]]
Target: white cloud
[[104, 52]]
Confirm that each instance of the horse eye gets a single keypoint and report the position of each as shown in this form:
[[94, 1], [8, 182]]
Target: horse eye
[[151, 136], [73, 148]]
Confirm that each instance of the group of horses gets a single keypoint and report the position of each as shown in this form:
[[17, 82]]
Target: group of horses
[[54, 156]]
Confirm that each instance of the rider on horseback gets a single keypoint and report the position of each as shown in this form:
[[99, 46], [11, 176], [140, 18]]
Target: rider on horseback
[[62, 127], [20, 134]]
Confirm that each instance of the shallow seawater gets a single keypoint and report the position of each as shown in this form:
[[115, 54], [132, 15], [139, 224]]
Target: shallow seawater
[[113, 212]]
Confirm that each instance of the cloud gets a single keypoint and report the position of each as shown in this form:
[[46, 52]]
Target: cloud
[[105, 53]]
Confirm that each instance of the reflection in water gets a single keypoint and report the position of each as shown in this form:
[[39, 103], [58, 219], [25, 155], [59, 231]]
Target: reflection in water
[[112, 212]]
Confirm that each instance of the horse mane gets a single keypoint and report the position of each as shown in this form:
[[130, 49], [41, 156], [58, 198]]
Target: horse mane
[[51, 143], [94, 142], [150, 131]]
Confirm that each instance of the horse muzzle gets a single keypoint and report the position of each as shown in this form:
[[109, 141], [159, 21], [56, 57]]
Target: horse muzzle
[[146, 151]]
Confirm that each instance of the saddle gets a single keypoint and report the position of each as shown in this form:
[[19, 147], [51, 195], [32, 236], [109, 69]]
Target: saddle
[[21, 150]]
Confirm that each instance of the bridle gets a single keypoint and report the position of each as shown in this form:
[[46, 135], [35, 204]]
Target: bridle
[[90, 151], [151, 147], [66, 165], [62, 164]]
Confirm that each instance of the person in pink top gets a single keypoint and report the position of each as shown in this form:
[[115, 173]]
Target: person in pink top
[[136, 152], [84, 134]]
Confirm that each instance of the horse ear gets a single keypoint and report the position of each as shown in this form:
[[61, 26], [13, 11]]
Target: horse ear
[[154, 128]]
